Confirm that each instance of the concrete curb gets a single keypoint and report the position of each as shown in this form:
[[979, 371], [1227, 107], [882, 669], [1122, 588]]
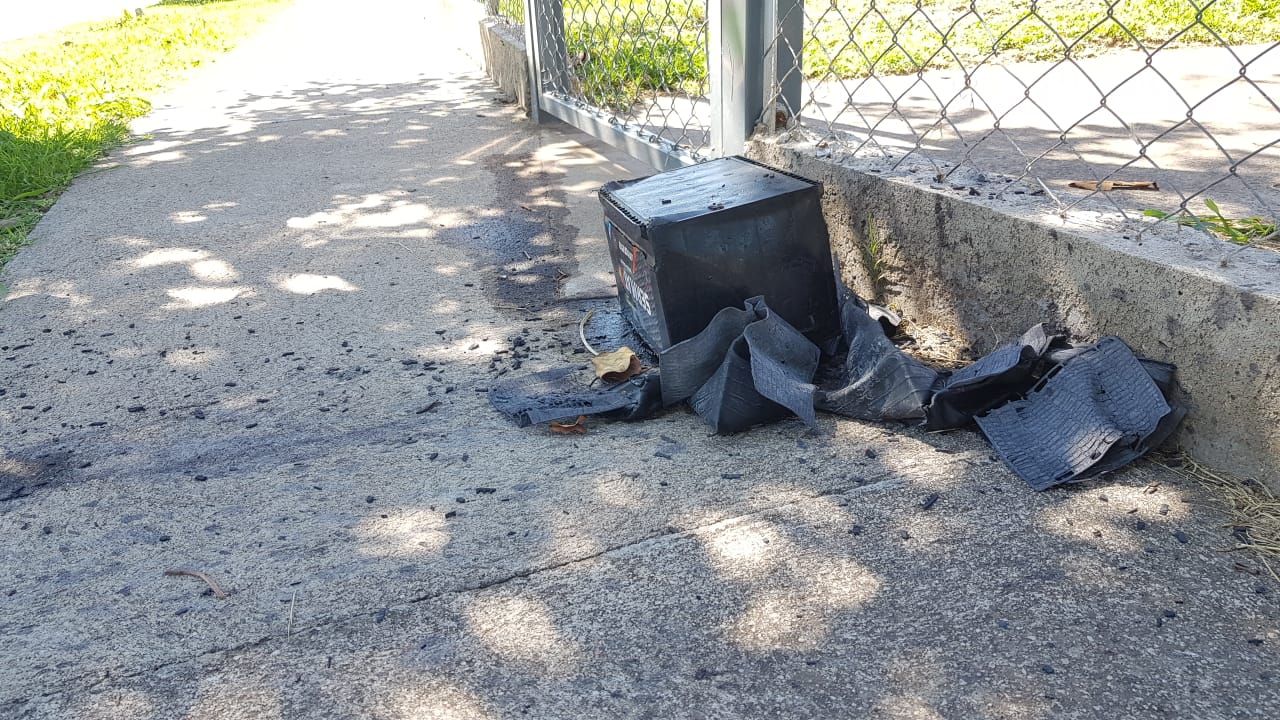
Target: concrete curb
[[504, 59], [986, 269]]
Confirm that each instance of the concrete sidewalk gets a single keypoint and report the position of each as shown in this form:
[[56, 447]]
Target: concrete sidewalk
[[255, 345]]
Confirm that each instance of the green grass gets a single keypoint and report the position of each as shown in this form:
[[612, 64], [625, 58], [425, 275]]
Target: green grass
[[894, 37], [67, 97], [621, 49], [625, 49], [512, 10], [1241, 231]]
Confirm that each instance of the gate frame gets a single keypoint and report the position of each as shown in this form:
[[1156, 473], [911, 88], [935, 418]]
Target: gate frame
[[753, 42]]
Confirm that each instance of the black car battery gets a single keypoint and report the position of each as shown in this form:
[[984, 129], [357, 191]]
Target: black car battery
[[692, 241]]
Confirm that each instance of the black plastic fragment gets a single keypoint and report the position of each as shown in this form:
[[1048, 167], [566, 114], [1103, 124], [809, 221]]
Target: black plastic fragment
[[991, 381], [566, 393], [734, 381], [686, 366], [1055, 413], [879, 380], [1096, 412]]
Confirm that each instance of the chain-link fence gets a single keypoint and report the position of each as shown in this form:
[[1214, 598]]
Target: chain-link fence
[[1166, 110], [509, 11], [638, 65]]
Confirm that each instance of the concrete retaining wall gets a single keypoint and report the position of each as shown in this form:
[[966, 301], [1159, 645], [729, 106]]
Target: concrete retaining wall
[[986, 269], [504, 58]]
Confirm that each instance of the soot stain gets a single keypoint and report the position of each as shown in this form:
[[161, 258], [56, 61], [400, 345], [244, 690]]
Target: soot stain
[[523, 255], [24, 473]]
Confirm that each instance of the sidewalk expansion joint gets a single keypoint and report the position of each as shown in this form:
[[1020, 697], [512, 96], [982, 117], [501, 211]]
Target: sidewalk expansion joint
[[887, 484]]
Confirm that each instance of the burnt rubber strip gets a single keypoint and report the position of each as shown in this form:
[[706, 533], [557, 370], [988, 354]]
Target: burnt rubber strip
[[879, 381], [1096, 412], [566, 393], [762, 374], [993, 380]]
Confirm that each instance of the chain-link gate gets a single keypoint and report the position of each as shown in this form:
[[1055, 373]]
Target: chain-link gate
[[673, 82], [631, 72]]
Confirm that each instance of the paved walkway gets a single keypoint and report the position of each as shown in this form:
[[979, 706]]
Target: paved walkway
[[253, 345]]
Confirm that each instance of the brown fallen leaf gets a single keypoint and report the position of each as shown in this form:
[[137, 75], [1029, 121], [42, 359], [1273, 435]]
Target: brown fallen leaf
[[1109, 185], [616, 366], [218, 592], [577, 427]]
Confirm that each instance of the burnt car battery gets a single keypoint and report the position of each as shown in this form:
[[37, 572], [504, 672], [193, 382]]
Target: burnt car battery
[[689, 242]]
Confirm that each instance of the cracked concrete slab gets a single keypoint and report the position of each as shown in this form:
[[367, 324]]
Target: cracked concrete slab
[[253, 344]]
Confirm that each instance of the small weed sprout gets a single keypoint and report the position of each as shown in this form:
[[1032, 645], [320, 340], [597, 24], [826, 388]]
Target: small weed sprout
[[1241, 231]]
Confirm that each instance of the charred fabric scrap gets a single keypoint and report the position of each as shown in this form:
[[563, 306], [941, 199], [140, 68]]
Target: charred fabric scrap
[[1053, 411]]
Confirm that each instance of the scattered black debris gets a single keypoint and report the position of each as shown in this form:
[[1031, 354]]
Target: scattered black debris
[[1096, 412], [566, 393], [1053, 411]]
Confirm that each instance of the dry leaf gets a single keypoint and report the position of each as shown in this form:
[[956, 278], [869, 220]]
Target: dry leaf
[[621, 364], [1109, 185], [577, 427]]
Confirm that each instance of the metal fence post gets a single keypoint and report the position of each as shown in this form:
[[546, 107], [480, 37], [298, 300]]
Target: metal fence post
[[735, 52], [547, 48], [783, 69], [531, 60]]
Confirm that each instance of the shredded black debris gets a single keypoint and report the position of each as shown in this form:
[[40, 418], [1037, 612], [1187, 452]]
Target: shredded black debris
[[1053, 411], [566, 393]]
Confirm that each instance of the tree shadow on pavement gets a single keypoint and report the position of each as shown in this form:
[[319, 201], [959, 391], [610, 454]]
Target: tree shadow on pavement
[[264, 344]]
